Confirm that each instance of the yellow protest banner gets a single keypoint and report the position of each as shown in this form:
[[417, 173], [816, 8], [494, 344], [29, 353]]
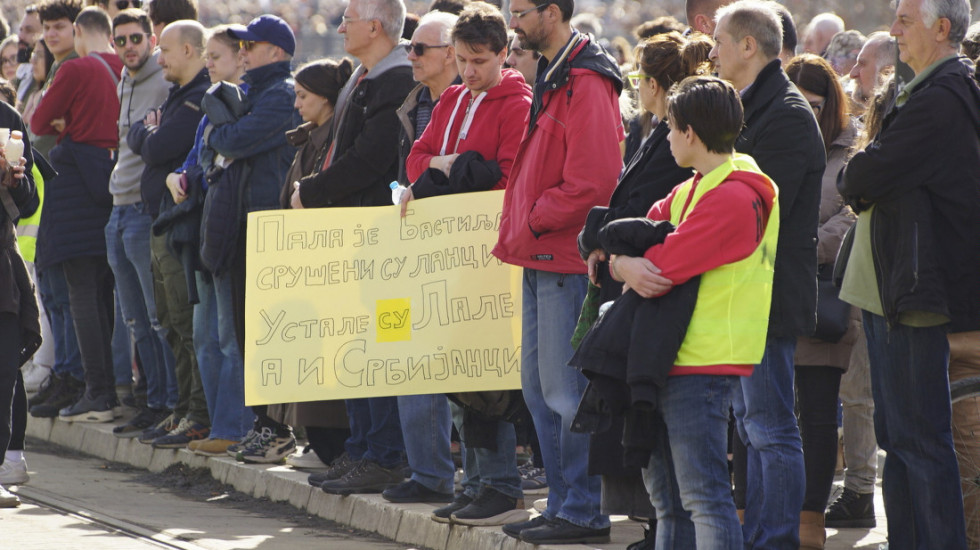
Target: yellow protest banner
[[360, 302]]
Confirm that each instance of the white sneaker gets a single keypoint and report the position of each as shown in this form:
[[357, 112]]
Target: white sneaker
[[8, 499], [14, 472], [34, 376], [306, 461], [541, 505]]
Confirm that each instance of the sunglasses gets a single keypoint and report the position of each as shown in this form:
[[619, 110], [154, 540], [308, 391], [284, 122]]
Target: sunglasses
[[521, 14], [247, 45], [635, 77], [123, 4], [135, 39], [419, 48]]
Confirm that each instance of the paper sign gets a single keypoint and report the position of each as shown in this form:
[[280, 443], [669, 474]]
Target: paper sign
[[360, 302]]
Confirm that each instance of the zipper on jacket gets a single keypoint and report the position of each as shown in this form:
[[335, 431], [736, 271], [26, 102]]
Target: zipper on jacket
[[915, 256], [878, 277]]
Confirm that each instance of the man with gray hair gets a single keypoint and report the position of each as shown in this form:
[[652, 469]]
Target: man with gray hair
[[820, 31], [914, 270], [701, 15], [781, 133], [877, 55], [843, 50], [362, 162]]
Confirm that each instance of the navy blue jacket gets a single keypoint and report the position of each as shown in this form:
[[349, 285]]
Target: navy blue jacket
[[260, 135], [165, 148]]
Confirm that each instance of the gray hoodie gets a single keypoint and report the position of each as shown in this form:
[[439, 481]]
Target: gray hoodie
[[138, 93]]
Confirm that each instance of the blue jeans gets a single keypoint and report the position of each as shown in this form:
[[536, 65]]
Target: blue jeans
[[552, 390], [688, 473], [485, 467], [426, 429], [127, 237], [776, 478], [122, 348], [920, 481], [54, 293], [220, 361], [375, 431]]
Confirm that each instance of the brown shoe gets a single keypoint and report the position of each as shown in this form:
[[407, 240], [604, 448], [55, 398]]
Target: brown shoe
[[813, 536], [210, 447]]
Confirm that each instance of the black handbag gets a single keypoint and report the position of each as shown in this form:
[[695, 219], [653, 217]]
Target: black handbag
[[833, 314]]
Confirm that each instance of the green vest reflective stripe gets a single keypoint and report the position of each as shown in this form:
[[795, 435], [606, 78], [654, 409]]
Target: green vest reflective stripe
[[731, 316], [27, 227]]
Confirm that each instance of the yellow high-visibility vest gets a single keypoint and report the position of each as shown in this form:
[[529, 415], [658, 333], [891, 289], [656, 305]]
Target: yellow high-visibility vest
[[27, 227]]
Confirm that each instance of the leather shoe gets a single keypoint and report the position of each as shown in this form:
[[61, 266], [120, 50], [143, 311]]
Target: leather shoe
[[515, 529], [413, 491]]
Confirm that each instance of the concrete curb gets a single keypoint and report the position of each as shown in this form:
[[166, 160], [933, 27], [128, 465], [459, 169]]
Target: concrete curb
[[404, 523]]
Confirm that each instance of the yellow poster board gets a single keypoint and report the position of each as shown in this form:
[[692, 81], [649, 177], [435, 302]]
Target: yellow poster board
[[359, 302]]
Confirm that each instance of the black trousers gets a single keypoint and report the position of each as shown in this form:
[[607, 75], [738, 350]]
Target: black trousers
[[9, 372], [90, 285], [816, 400]]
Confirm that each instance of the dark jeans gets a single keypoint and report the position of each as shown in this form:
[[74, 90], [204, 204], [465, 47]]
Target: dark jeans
[[18, 424], [54, 294], [327, 443], [816, 398], [920, 481], [9, 370], [90, 285], [376, 431]]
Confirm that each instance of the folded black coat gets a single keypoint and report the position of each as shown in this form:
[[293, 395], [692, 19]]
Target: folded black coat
[[629, 351], [470, 172]]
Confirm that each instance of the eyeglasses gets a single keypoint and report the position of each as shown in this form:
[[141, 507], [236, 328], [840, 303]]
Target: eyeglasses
[[123, 4], [347, 20], [816, 106], [135, 39], [8, 60], [635, 77], [521, 14], [419, 48], [247, 45]]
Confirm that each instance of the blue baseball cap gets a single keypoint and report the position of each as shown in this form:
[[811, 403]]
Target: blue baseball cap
[[267, 28]]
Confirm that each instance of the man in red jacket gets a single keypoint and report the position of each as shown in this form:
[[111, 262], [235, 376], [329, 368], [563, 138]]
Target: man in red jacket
[[567, 163], [82, 108]]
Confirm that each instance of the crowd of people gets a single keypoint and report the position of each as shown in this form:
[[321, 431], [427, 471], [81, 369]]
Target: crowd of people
[[723, 243]]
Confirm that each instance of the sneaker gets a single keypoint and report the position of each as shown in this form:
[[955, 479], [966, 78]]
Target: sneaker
[[89, 409], [338, 468], [515, 529], [443, 515], [367, 476], [34, 375], [144, 420], [65, 391], [269, 447], [533, 480], [238, 447], [159, 430], [306, 460], [8, 499], [491, 507], [540, 505], [852, 509], [559, 531], [45, 390], [210, 447], [413, 491], [14, 472], [181, 436]]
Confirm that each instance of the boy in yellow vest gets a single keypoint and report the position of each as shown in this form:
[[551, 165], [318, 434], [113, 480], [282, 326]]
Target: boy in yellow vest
[[727, 222]]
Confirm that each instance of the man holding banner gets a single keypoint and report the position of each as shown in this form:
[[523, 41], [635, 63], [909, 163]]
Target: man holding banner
[[470, 145], [568, 162]]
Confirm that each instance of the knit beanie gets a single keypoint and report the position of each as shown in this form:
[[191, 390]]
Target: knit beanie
[[325, 77]]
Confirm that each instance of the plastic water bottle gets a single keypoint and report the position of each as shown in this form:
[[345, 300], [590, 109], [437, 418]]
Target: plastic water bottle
[[396, 192], [14, 148]]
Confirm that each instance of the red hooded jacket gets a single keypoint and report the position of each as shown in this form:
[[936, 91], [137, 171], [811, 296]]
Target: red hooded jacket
[[495, 130], [568, 162]]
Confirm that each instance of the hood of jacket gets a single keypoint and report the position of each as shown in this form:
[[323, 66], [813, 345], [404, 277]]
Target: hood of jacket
[[582, 54], [950, 76]]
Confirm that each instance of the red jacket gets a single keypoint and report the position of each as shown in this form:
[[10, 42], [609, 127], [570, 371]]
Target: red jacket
[[84, 94], [568, 162], [495, 132]]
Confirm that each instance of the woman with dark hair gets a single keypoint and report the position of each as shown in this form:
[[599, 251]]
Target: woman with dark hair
[[41, 61], [820, 363], [318, 84], [661, 61]]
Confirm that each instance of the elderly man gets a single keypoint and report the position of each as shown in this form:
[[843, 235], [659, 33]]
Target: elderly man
[[363, 161], [915, 268], [877, 55], [820, 31], [781, 134], [568, 162]]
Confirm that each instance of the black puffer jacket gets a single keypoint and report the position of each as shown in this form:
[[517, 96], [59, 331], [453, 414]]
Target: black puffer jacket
[[782, 136], [922, 174]]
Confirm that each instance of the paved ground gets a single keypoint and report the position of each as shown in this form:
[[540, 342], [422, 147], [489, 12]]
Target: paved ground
[[213, 526]]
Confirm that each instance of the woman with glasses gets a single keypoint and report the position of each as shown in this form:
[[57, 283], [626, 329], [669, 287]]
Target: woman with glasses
[[820, 363], [8, 58], [661, 61]]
